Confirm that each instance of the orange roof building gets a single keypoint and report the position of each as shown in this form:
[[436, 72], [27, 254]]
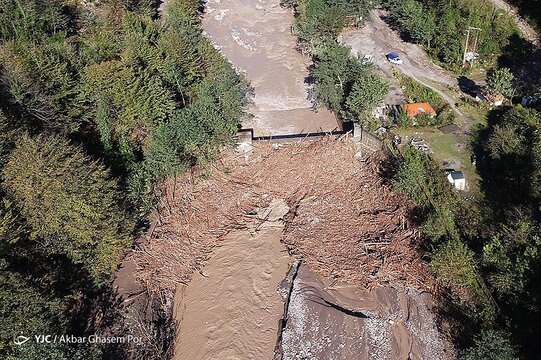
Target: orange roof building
[[416, 109]]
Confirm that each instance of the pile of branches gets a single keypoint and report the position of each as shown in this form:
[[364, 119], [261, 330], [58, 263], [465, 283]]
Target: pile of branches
[[344, 221]]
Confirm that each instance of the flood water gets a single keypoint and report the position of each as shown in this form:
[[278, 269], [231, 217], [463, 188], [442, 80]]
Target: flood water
[[231, 310], [255, 35]]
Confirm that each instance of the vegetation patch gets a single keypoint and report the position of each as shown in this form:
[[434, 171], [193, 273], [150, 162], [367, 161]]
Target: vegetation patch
[[439, 26], [416, 92], [101, 100]]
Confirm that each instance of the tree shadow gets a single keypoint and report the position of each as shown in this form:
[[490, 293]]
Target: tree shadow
[[393, 25], [524, 60], [467, 85]]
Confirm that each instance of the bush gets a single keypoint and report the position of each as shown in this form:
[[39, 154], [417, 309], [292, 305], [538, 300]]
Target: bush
[[423, 180], [491, 345], [454, 264]]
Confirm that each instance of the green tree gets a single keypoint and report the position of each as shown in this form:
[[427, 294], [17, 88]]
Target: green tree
[[368, 91], [26, 307], [41, 81], [69, 202], [491, 345], [32, 19], [418, 19], [424, 181], [500, 81], [335, 72], [424, 29], [455, 265]]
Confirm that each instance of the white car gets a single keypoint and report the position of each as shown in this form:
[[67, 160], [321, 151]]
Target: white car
[[394, 58]]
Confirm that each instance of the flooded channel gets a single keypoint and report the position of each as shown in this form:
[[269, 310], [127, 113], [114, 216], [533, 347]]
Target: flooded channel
[[231, 309], [255, 35]]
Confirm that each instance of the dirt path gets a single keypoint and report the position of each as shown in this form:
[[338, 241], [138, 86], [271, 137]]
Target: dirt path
[[376, 38], [255, 36], [231, 309]]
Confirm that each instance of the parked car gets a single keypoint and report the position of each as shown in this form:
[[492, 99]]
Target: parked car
[[394, 58]]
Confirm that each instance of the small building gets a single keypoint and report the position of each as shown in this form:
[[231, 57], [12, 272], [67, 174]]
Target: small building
[[530, 101], [482, 95], [416, 109], [457, 179]]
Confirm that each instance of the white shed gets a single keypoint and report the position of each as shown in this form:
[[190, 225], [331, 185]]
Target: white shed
[[457, 179]]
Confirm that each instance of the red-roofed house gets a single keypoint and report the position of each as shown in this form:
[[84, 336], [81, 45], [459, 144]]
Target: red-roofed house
[[416, 109]]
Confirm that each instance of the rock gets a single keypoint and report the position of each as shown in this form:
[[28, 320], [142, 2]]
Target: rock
[[277, 209]]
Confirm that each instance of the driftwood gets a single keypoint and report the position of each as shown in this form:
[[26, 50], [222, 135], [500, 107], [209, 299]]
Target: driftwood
[[344, 221]]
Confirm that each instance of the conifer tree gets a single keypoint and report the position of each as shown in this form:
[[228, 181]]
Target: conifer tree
[[70, 202]]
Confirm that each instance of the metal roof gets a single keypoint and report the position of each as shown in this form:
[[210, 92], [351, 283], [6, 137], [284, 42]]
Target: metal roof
[[457, 175]]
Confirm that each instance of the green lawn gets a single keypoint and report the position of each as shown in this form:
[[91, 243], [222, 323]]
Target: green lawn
[[448, 148]]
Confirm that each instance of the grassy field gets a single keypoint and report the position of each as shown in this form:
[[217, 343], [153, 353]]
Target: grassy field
[[450, 150]]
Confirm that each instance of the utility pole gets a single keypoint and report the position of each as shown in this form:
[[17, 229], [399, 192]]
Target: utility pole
[[466, 46]]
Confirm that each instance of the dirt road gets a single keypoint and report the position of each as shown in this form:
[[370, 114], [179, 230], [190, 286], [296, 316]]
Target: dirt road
[[255, 36], [377, 39]]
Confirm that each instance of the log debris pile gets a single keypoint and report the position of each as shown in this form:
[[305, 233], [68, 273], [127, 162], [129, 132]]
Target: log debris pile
[[344, 222]]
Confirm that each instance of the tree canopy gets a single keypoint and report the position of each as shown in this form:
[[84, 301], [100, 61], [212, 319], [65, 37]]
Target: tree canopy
[[100, 102], [446, 42], [500, 81], [69, 201]]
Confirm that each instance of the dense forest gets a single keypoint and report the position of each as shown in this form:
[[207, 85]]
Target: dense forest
[[99, 101], [530, 10]]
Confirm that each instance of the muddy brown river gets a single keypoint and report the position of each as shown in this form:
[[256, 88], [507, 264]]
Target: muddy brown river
[[255, 35], [231, 309]]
